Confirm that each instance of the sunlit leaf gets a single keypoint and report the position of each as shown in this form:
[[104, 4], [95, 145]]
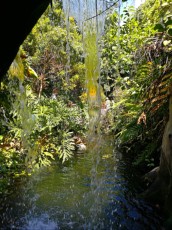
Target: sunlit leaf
[[166, 42]]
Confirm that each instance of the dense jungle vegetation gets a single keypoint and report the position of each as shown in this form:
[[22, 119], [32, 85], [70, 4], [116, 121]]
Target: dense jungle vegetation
[[43, 102]]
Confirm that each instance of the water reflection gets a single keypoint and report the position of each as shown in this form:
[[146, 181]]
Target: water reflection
[[96, 190]]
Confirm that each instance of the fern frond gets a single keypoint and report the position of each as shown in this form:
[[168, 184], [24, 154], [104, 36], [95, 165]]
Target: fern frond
[[159, 91]]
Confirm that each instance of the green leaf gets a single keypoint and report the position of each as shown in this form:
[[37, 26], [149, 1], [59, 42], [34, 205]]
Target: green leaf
[[169, 22], [170, 32], [48, 154], [159, 27]]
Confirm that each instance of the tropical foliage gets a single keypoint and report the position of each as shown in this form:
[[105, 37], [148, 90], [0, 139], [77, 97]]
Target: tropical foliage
[[42, 98], [136, 75]]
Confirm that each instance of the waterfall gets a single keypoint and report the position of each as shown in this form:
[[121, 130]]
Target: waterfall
[[90, 16], [90, 19]]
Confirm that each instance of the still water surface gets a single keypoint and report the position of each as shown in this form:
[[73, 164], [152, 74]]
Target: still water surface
[[95, 190]]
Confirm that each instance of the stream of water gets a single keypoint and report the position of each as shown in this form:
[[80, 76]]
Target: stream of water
[[95, 190]]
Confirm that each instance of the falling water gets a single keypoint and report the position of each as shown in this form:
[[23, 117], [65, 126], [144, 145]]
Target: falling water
[[91, 19], [91, 23], [67, 21], [22, 113]]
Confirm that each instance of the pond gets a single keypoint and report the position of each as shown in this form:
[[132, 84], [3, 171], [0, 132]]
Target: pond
[[95, 190]]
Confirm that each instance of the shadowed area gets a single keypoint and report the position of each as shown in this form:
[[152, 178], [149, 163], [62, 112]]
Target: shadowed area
[[17, 18]]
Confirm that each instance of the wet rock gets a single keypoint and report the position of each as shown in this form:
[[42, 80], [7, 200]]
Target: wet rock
[[79, 145]]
